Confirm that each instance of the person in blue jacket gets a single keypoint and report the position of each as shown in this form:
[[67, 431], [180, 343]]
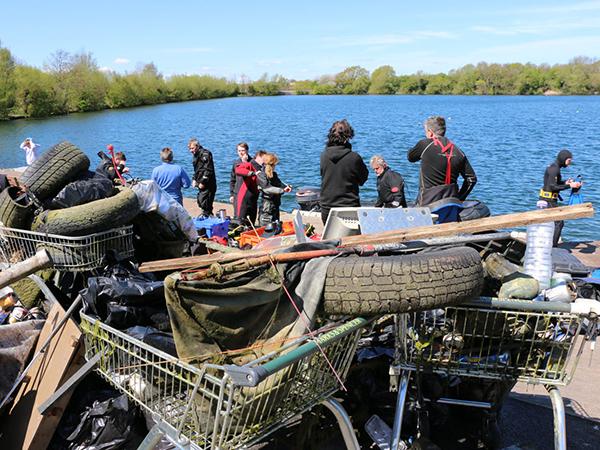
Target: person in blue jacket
[[171, 177]]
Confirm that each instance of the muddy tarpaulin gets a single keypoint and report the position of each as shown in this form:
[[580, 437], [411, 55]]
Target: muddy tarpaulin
[[210, 317], [16, 342]]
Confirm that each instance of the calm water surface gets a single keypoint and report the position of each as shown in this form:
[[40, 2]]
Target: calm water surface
[[509, 140]]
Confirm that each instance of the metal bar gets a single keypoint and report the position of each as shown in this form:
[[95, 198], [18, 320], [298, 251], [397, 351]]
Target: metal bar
[[398, 414], [252, 376], [455, 401], [44, 288], [520, 305], [71, 383], [344, 423], [560, 426]]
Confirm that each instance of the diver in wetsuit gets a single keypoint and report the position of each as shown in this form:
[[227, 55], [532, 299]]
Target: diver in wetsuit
[[390, 185], [245, 207], [553, 184], [441, 164]]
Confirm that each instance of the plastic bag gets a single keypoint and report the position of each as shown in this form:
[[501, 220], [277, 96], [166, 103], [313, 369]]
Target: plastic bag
[[153, 198], [110, 424], [83, 191]]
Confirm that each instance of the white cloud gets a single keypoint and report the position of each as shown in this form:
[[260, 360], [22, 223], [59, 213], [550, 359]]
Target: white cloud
[[105, 69], [121, 61], [534, 27]]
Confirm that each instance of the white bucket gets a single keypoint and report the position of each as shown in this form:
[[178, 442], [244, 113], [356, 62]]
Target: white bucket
[[560, 293]]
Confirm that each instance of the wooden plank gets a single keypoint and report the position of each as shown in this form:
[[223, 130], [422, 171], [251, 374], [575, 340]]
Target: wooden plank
[[475, 226], [25, 427], [401, 235]]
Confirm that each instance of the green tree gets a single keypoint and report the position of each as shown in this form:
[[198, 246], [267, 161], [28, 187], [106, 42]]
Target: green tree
[[35, 92], [352, 80], [383, 81], [7, 83], [87, 86]]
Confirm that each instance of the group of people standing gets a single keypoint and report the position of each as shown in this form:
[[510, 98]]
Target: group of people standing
[[343, 171], [252, 178]]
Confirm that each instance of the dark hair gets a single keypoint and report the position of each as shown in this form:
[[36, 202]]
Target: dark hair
[[244, 145], [340, 133], [120, 155], [260, 153], [436, 124], [166, 154]]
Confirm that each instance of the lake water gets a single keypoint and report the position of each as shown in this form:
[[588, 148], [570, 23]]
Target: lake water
[[509, 140]]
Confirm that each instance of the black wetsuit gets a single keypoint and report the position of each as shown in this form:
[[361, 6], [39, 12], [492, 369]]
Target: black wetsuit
[[553, 183], [342, 172], [204, 173], [441, 164], [390, 190], [271, 190]]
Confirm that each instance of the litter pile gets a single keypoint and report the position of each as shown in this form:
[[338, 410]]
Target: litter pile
[[124, 329]]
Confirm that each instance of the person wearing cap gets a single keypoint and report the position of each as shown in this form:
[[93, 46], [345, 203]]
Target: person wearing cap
[[30, 149], [553, 184], [390, 185]]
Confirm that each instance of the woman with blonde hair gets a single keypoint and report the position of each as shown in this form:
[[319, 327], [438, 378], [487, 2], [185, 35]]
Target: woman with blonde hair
[[271, 188]]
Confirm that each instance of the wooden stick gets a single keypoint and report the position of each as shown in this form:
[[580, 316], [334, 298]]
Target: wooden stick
[[401, 235], [39, 261]]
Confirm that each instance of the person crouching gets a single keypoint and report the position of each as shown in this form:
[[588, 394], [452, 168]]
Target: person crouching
[[390, 185]]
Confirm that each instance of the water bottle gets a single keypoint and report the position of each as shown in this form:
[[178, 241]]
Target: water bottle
[[538, 255]]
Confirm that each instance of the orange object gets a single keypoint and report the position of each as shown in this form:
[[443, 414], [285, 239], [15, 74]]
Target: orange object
[[250, 238]]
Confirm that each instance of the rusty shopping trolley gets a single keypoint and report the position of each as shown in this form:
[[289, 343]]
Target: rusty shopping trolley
[[213, 406], [68, 253], [511, 340]]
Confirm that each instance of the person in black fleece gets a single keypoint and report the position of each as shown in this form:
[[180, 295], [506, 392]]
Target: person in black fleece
[[390, 185], [342, 170], [441, 164], [553, 184], [204, 177]]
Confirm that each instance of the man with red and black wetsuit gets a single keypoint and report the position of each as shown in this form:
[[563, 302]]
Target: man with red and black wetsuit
[[441, 164], [246, 198]]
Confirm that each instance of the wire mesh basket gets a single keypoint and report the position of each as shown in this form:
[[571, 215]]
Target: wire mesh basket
[[507, 343], [224, 406], [68, 253]]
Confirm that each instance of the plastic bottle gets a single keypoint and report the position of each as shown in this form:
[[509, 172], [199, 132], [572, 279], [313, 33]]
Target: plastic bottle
[[538, 255]]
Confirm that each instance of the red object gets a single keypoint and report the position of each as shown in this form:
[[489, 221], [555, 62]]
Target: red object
[[448, 150], [110, 148], [250, 237]]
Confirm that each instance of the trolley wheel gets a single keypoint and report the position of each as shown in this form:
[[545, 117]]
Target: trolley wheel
[[16, 208], [93, 217], [54, 169], [402, 283]]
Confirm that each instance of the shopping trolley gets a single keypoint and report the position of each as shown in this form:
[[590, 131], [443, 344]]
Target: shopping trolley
[[68, 253], [226, 406], [492, 339]]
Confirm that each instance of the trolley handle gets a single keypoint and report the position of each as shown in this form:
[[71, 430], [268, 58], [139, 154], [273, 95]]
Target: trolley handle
[[251, 376], [581, 306]]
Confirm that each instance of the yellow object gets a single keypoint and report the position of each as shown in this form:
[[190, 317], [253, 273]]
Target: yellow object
[[546, 194], [7, 302]]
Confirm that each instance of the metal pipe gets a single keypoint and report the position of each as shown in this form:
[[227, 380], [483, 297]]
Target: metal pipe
[[344, 423], [398, 414], [520, 305], [455, 401], [558, 410]]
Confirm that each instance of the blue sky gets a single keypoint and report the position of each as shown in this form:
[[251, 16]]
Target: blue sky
[[301, 40]]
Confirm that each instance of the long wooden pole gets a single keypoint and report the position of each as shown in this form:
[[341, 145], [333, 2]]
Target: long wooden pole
[[39, 261], [395, 236]]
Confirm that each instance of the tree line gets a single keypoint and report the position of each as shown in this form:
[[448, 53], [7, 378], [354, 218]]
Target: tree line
[[74, 83]]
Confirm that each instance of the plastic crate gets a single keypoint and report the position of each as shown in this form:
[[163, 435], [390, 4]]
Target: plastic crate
[[250, 237], [213, 226]]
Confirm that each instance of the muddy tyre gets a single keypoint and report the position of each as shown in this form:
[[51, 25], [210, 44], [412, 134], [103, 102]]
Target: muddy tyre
[[16, 208], [402, 283], [93, 217], [53, 170]]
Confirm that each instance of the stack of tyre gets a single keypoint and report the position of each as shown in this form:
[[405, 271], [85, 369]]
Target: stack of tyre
[[45, 178]]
